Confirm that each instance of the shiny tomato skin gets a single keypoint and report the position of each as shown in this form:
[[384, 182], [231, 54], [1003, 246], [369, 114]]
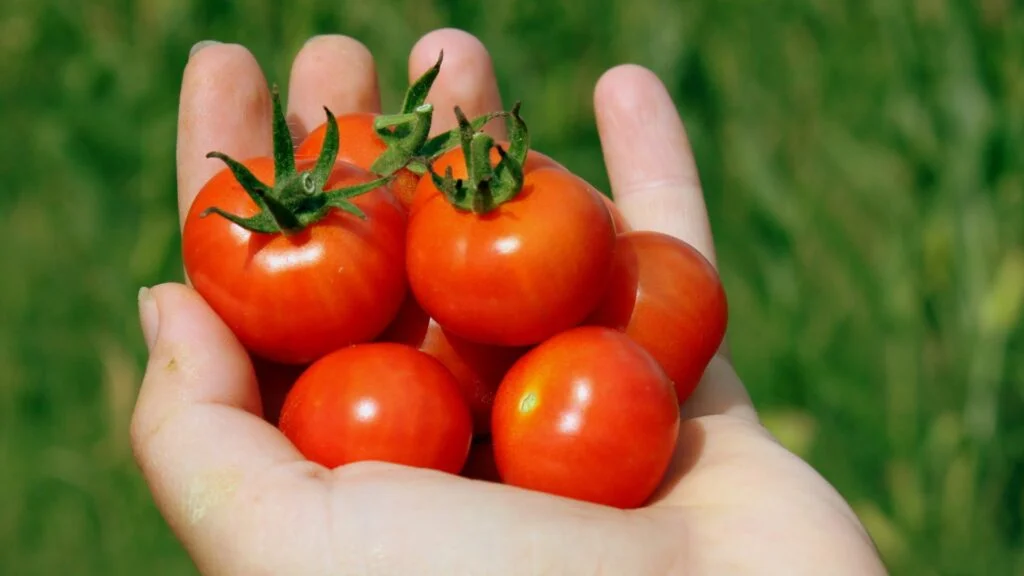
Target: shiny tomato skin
[[530, 268], [292, 299], [478, 368], [379, 401], [668, 298], [360, 145], [588, 414]]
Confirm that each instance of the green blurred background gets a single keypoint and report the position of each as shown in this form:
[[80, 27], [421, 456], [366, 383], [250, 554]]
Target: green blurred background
[[863, 167]]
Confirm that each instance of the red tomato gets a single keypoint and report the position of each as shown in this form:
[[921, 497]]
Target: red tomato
[[379, 401], [520, 273], [588, 415], [668, 298], [478, 368], [293, 298], [360, 145]]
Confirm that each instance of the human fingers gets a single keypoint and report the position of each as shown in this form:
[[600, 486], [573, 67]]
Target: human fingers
[[333, 71], [650, 164], [224, 106], [197, 432], [466, 79]]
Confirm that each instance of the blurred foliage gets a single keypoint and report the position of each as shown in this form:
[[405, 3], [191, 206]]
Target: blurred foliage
[[862, 162]]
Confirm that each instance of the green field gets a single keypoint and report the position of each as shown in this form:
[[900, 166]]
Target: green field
[[864, 168]]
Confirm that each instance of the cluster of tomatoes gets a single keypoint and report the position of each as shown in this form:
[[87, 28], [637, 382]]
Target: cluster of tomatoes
[[457, 303]]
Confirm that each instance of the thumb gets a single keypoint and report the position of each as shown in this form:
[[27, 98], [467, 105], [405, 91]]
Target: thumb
[[196, 431], [193, 357]]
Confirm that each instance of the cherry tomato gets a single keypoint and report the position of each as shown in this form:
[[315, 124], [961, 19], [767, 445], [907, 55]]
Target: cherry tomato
[[293, 298], [478, 368], [379, 401], [360, 145], [518, 273], [668, 298], [588, 414]]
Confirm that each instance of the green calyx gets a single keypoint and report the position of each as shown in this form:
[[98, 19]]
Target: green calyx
[[406, 134], [297, 199], [487, 186]]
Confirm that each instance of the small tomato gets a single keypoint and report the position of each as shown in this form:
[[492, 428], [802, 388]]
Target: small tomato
[[587, 414], [298, 258], [379, 401], [507, 253]]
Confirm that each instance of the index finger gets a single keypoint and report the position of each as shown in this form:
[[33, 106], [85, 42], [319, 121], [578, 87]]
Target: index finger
[[224, 106]]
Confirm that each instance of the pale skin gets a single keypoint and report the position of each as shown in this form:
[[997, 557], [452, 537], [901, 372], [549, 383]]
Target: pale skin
[[243, 501]]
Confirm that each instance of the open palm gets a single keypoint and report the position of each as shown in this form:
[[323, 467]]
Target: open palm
[[243, 500]]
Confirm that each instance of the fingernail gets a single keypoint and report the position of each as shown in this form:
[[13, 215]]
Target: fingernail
[[149, 316], [200, 45]]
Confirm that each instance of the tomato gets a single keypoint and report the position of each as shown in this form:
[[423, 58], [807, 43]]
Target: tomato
[[588, 414], [478, 368], [360, 145], [514, 261], [294, 298], [379, 401], [316, 265], [668, 298]]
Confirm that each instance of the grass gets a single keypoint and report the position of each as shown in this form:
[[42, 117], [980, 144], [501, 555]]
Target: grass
[[863, 168]]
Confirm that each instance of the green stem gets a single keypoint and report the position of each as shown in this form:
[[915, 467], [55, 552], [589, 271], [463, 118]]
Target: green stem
[[487, 186], [416, 95], [284, 153], [297, 199], [402, 149]]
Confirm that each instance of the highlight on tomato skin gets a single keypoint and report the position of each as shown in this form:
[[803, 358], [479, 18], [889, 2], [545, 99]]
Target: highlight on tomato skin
[[379, 401], [668, 298], [587, 414], [478, 368]]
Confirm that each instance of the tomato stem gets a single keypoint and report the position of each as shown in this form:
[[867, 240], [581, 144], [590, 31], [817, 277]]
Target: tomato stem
[[487, 186], [404, 142], [416, 95], [407, 132], [297, 199]]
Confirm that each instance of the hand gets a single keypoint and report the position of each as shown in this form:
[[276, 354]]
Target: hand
[[243, 501]]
